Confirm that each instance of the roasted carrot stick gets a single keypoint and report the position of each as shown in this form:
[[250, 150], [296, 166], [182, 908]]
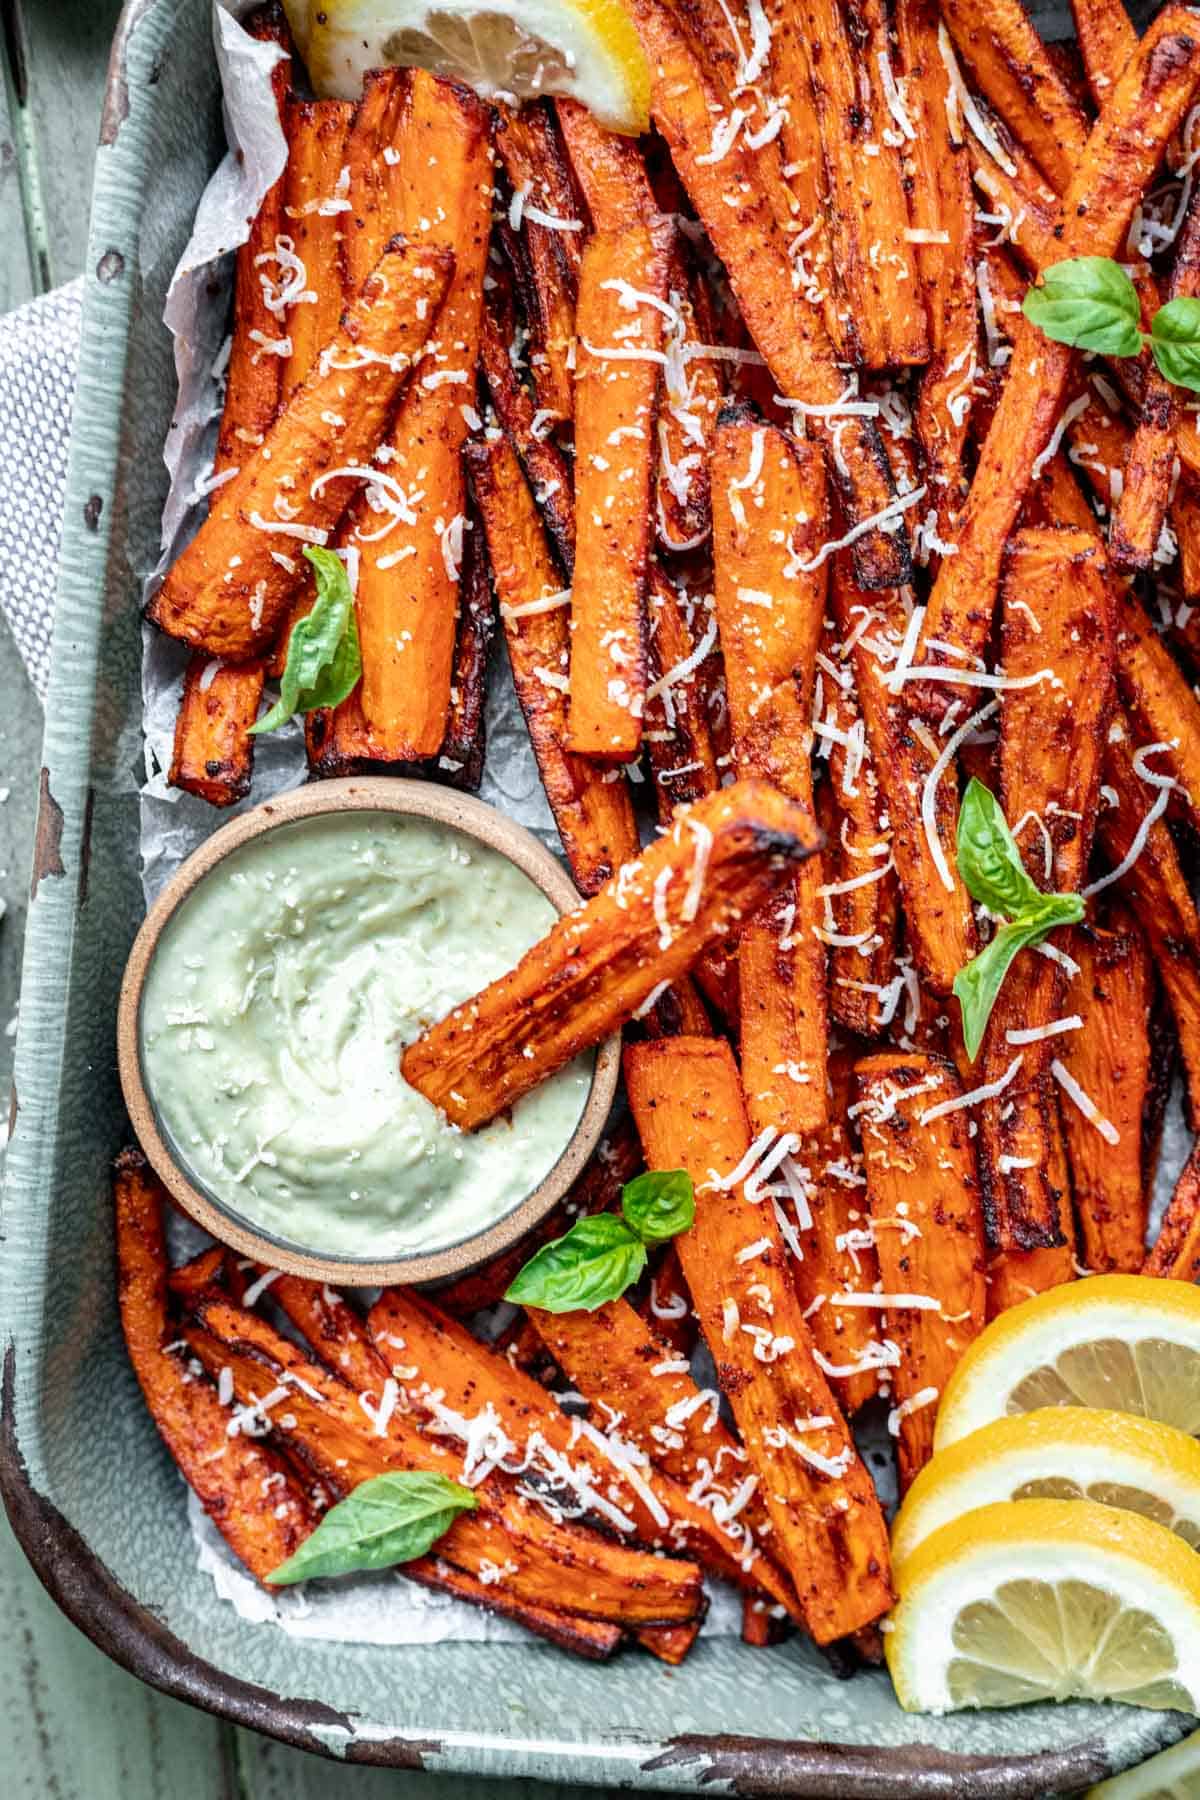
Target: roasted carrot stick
[[1012, 69], [927, 1225], [461, 756], [730, 198], [540, 179], [829, 1531], [375, 174], [591, 807], [259, 1508], [1156, 888], [1107, 41], [1111, 1058], [1057, 617], [1160, 702], [1120, 157], [723, 859], [595, 1576], [610, 170], [316, 131], [916, 782], [1175, 1254], [834, 52], [205, 1270], [838, 1252], [212, 754], [679, 742], [229, 589], [588, 1638], [1015, 1275], [622, 299], [862, 898]]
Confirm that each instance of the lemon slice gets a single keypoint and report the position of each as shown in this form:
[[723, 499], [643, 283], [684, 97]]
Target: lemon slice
[[1175, 1775], [1047, 1600], [1059, 1453], [1123, 1343], [504, 49]]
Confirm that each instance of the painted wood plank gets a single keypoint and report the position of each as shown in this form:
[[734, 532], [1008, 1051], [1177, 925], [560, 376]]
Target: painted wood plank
[[16, 280]]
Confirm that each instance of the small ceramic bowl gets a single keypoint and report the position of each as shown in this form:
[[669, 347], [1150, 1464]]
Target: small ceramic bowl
[[415, 799]]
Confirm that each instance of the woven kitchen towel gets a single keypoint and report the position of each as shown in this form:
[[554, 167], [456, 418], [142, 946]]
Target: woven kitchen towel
[[39, 360]]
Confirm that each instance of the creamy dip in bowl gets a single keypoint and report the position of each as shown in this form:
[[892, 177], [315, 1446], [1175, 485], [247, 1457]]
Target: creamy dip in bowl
[[266, 1005]]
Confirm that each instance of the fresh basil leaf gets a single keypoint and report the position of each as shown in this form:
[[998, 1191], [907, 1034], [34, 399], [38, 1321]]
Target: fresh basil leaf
[[1175, 342], [659, 1205], [977, 986], [1090, 302], [596, 1261], [324, 661], [988, 858], [388, 1519]]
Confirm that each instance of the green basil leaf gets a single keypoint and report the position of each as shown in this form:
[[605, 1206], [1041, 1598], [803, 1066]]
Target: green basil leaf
[[977, 985], [388, 1519], [1089, 302], [324, 661], [596, 1261], [659, 1205], [1175, 342], [988, 858]]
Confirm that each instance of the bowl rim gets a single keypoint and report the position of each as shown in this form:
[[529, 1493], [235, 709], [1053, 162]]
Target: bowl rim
[[406, 799]]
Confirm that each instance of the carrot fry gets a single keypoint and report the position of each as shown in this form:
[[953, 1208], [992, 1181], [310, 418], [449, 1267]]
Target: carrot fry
[[829, 1532], [540, 178], [622, 293], [770, 602], [1159, 893], [212, 755], [592, 810], [1176, 1251], [724, 859], [1015, 1275], [1160, 703], [228, 591], [562, 1565], [589, 1638], [936, 905], [787, 330], [679, 743], [666, 1306], [609, 169], [376, 179], [1109, 177], [834, 52], [447, 1379], [546, 468], [462, 752], [1012, 69], [195, 1277], [1112, 1060], [1057, 616], [260, 1510], [928, 1229], [838, 1253], [317, 131], [1107, 42]]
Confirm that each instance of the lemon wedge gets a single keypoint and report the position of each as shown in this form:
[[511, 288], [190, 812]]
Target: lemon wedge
[[1175, 1775], [1123, 1343], [1047, 1600], [504, 49], [1059, 1453]]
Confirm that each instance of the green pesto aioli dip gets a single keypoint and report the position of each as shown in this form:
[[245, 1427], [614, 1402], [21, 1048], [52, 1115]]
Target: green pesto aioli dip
[[273, 1017]]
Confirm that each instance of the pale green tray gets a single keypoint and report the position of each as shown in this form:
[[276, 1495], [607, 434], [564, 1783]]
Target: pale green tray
[[93, 1496]]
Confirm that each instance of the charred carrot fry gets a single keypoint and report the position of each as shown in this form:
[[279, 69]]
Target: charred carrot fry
[[829, 1532], [838, 1252], [622, 299], [591, 808], [1012, 69], [1175, 1254], [375, 179], [546, 468], [770, 599], [1107, 41], [927, 1225], [1015, 1275], [588, 1638], [787, 330], [835, 53], [540, 179], [212, 755], [362, 371], [1112, 1060], [317, 131], [1057, 617], [260, 1510], [194, 1277], [679, 743], [1119, 159], [666, 1306], [462, 751], [1160, 702], [906, 760], [594, 1576], [1157, 889], [722, 861]]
